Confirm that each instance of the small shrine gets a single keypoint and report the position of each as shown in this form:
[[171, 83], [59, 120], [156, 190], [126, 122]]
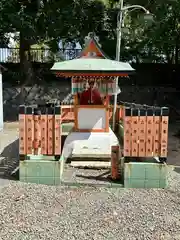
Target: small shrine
[[93, 83], [135, 153]]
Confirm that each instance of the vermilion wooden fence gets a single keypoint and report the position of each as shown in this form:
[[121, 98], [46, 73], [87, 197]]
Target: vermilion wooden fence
[[40, 131], [145, 129], [67, 112], [40, 128], [146, 132]]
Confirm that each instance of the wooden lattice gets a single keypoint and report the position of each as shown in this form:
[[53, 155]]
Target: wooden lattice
[[146, 132], [40, 131]]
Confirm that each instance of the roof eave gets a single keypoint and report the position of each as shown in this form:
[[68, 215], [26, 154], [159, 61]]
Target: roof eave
[[93, 73]]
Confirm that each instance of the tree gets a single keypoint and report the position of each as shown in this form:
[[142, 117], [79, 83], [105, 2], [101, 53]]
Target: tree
[[41, 20], [160, 41]]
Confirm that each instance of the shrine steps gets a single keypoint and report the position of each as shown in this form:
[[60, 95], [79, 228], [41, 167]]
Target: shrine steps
[[90, 164]]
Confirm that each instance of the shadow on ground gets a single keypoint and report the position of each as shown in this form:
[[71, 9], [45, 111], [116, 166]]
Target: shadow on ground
[[177, 169], [10, 112], [10, 160], [105, 177]]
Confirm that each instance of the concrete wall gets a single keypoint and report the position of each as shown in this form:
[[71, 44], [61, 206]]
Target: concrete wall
[[13, 97], [61, 89]]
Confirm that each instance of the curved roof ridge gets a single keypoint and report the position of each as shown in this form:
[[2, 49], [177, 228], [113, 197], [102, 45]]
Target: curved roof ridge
[[92, 50]]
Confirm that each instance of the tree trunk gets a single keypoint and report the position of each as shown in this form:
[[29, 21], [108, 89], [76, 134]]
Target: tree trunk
[[177, 62], [177, 53], [25, 66]]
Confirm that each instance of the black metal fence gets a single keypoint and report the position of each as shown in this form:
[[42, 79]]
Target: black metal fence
[[12, 55]]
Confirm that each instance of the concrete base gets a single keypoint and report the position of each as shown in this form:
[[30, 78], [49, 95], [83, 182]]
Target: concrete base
[[91, 164], [89, 145], [40, 157], [40, 172], [145, 175]]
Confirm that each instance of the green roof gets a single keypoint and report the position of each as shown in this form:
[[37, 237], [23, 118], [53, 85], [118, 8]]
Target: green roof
[[92, 65]]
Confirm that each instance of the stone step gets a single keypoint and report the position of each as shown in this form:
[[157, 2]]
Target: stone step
[[2, 174], [15, 170], [2, 171], [90, 164], [2, 168], [2, 160], [89, 159]]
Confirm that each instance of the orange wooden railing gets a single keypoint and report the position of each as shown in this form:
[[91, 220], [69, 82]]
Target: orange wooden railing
[[40, 128], [146, 132], [67, 112], [39, 131], [145, 129]]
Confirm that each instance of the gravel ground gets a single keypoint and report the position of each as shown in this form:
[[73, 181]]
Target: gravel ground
[[30, 211], [86, 176]]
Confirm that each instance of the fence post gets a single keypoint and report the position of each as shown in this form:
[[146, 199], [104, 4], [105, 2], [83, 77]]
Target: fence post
[[115, 151], [50, 131], [135, 132], [164, 131], [157, 132], [142, 132], [44, 130], [149, 132], [57, 133], [22, 132], [29, 129], [37, 130], [127, 132]]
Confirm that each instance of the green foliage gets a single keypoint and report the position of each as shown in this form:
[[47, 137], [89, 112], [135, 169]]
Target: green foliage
[[71, 20], [160, 41]]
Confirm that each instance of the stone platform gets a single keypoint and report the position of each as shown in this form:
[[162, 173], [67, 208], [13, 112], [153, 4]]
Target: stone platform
[[145, 175], [51, 172], [40, 171]]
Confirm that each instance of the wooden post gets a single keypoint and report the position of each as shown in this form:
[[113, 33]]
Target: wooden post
[[57, 133], [75, 112], [115, 162], [22, 133], [142, 133], [149, 133], [157, 141], [121, 112], [107, 112], [164, 132], [127, 132], [44, 133], [37, 130], [50, 131], [135, 132], [29, 129]]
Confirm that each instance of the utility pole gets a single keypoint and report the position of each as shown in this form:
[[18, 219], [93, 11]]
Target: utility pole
[[120, 19], [118, 55]]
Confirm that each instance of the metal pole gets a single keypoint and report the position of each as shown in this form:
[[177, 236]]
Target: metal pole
[[1, 102], [118, 51], [120, 21]]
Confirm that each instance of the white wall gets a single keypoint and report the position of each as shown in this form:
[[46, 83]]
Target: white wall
[[91, 118], [1, 102]]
